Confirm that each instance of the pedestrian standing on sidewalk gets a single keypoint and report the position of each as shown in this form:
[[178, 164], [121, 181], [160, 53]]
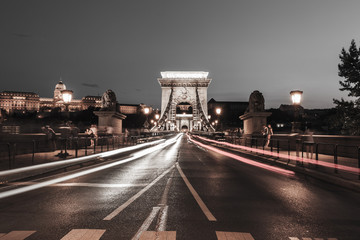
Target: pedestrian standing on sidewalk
[[309, 143], [51, 137]]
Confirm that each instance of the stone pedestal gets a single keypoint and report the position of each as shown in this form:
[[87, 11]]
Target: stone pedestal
[[254, 122], [111, 119]]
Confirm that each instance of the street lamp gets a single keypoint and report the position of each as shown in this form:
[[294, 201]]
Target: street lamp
[[146, 112], [218, 113], [67, 97], [296, 97]]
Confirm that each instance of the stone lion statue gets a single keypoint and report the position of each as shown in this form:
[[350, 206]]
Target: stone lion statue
[[108, 101], [256, 102]]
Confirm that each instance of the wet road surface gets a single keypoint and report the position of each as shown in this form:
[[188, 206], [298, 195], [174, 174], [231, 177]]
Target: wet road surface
[[181, 191]]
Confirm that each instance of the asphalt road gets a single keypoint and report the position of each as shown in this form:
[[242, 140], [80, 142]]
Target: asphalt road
[[181, 190]]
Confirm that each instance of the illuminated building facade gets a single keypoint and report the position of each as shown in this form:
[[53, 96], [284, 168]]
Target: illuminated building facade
[[15, 101]]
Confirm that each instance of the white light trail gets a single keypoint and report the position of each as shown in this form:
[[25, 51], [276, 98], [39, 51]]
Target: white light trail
[[89, 171]]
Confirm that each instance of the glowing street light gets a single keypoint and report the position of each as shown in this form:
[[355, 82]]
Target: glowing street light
[[218, 111], [296, 96], [146, 112], [67, 97]]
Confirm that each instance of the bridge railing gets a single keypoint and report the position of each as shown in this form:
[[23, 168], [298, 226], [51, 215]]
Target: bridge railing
[[26, 152], [298, 151]]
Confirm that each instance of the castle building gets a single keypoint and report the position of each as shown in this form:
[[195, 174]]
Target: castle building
[[13, 101], [16, 101]]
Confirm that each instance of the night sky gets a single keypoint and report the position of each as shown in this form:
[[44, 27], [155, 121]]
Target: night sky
[[273, 46]]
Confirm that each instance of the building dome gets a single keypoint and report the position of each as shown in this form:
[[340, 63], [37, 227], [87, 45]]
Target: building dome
[[60, 86], [57, 92]]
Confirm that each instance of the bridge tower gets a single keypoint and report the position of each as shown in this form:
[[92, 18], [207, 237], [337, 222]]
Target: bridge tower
[[184, 101]]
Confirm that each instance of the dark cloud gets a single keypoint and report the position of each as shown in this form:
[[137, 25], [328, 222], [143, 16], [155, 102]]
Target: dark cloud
[[90, 85], [21, 35]]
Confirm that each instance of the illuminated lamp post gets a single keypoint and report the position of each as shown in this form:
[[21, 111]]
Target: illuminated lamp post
[[146, 112], [296, 97], [65, 130], [67, 97], [218, 113]]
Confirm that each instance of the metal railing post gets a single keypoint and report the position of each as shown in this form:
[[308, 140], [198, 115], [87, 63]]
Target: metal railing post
[[9, 149], [33, 153], [66, 142], [86, 142], [317, 153], [14, 153], [76, 147], [101, 145], [335, 158], [288, 148], [271, 145], [278, 146], [302, 150], [107, 143], [95, 142], [359, 162]]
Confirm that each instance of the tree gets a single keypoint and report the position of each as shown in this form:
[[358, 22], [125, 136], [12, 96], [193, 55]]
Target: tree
[[348, 112]]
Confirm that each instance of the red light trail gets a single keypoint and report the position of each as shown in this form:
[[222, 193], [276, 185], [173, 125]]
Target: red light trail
[[244, 160], [295, 158]]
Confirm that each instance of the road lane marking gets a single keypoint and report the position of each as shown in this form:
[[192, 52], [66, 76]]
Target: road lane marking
[[136, 196], [162, 219], [146, 223], [200, 202], [152, 235], [17, 235], [99, 185], [84, 234], [161, 226], [233, 236]]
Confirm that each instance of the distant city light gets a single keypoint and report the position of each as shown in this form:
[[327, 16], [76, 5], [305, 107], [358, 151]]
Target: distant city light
[[218, 111], [146, 110]]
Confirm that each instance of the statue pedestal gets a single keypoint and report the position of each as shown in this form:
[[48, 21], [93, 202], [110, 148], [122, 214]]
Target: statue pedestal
[[254, 122], [111, 119]]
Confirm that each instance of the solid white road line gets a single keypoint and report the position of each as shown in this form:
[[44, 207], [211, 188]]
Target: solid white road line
[[146, 223], [162, 219], [200, 202], [82, 234], [136, 196]]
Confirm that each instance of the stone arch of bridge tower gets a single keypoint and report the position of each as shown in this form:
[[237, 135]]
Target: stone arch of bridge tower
[[178, 87]]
